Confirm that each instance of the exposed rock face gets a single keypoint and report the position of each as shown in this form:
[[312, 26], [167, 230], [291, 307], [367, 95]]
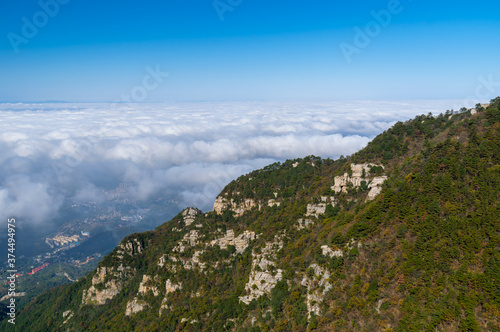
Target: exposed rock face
[[327, 251], [260, 283], [304, 223], [131, 248], [273, 202], [115, 280], [162, 260], [357, 169], [146, 285], [69, 314], [173, 263], [134, 306], [164, 306], [314, 210], [171, 287], [195, 261], [221, 204], [326, 199], [263, 276], [341, 183], [189, 239], [317, 286], [241, 242], [189, 215], [375, 187]]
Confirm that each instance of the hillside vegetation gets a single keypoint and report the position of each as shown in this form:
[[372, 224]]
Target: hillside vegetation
[[402, 236]]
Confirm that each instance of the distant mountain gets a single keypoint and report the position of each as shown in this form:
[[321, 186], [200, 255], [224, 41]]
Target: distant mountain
[[402, 236]]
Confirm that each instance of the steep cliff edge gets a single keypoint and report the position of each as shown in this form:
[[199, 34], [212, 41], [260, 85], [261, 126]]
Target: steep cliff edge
[[403, 235]]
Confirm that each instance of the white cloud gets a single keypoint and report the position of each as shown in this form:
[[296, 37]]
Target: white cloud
[[34, 200], [48, 151]]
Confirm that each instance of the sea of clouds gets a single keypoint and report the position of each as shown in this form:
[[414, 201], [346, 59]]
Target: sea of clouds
[[51, 153]]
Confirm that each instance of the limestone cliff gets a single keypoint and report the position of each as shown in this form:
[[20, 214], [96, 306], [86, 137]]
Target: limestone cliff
[[360, 174], [264, 274], [221, 204], [106, 284]]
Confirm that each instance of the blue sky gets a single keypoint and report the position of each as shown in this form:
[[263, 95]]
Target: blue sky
[[260, 50]]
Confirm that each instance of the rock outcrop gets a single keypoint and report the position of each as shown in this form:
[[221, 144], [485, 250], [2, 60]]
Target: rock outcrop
[[318, 285], [164, 306], [146, 285], [171, 287], [189, 215], [195, 261], [263, 275], [68, 314], [106, 284], [130, 248], [222, 204], [240, 242], [134, 306], [304, 223], [314, 210], [327, 251], [164, 258], [375, 187], [360, 173], [189, 240], [272, 202]]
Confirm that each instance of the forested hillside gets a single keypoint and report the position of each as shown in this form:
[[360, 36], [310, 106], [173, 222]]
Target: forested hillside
[[402, 236]]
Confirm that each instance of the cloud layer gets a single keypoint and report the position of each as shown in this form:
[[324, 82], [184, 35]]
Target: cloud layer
[[53, 152]]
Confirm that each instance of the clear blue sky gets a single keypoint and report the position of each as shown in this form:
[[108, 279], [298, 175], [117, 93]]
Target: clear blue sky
[[261, 50]]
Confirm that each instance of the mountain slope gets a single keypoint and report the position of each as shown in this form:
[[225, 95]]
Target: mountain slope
[[403, 236]]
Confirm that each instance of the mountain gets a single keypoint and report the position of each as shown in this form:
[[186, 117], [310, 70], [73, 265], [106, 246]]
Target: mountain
[[402, 236]]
